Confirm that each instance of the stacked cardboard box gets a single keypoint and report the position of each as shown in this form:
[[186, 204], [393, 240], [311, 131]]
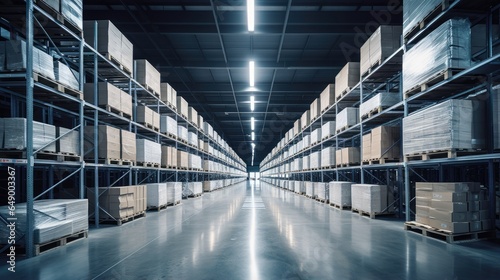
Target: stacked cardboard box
[[182, 107], [340, 193], [385, 142], [338, 157], [327, 97], [148, 76], [447, 47], [297, 128], [346, 156], [168, 95], [379, 102], [148, 151], [414, 11], [453, 124], [168, 156], [72, 10], [201, 123], [192, 115], [454, 207], [328, 157], [2, 56], [315, 108], [182, 133], [305, 119], [168, 125], [66, 76], [381, 44], [315, 160], [107, 95], [53, 219], [15, 55], [346, 79], [119, 202], [108, 141], [69, 143], [366, 145], [347, 118], [149, 117], [128, 145], [369, 198], [157, 195], [110, 42], [182, 159]]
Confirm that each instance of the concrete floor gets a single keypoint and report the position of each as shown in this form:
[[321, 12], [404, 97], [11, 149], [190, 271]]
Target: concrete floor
[[255, 231]]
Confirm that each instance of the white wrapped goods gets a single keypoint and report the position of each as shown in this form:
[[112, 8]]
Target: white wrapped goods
[[414, 11], [168, 125], [195, 188], [382, 100], [447, 47], [15, 52], [128, 145], [182, 133], [70, 142], [453, 124], [340, 193], [66, 76], [328, 157], [381, 45], [316, 136], [309, 189], [320, 191], [148, 151], [148, 76], [194, 162], [315, 160], [174, 192], [108, 141], [157, 195], [53, 219], [193, 138], [72, 10], [347, 118], [15, 135], [369, 198], [328, 130]]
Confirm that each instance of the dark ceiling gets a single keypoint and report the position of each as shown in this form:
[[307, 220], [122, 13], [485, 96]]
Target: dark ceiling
[[202, 48]]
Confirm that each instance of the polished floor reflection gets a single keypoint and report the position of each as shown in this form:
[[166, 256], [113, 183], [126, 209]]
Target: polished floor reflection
[[255, 231]]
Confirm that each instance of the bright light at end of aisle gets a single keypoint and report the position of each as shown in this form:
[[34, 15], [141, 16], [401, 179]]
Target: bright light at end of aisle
[[253, 136], [251, 69], [251, 15], [252, 123], [252, 103]]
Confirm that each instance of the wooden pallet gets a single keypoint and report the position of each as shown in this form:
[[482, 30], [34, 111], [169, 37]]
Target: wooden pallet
[[447, 236], [117, 63], [348, 164], [344, 128], [46, 155], [148, 164], [341, 207], [169, 166], [109, 161], [327, 167], [60, 18], [128, 162], [380, 161], [441, 76], [120, 221], [425, 21], [43, 247], [372, 67], [157, 208], [453, 153], [373, 112], [116, 111], [343, 93], [322, 200], [195, 195], [371, 215]]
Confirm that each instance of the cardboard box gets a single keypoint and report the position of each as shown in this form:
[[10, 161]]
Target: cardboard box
[[125, 103], [107, 94], [449, 206], [297, 128], [305, 119], [328, 129], [346, 79], [422, 220], [450, 196], [422, 211], [144, 115], [475, 226], [109, 38], [366, 147], [460, 227], [182, 159], [327, 97], [424, 201], [69, 143], [448, 216], [423, 186], [381, 44], [369, 198], [182, 107], [350, 155], [385, 142], [338, 157], [456, 187], [148, 76], [315, 108], [108, 142], [128, 145]]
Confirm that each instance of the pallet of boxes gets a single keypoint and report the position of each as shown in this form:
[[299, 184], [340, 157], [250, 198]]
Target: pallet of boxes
[[452, 212]]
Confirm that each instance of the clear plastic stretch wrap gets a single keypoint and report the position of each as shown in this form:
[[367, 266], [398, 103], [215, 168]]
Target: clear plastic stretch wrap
[[128, 145], [66, 75], [147, 75], [157, 195], [340, 193], [15, 135], [193, 138], [306, 162], [328, 130], [495, 96], [347, 78], [53, 219], [315, 160], [381, 100], [298, 186], [414, 11], [320, 190], [195, 188], [73, 11], [309, 188], [327, 97], [194, 161], [148, 151], [453, 124], [316, 136], [168, 125], [16, 59], [70, 142], [347, 118], [369, 198], [328, 157], [182, 133], [447, 47], [307, 141]]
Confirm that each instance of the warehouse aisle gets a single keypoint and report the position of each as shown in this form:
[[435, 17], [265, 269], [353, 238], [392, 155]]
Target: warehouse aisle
[[255, 231]]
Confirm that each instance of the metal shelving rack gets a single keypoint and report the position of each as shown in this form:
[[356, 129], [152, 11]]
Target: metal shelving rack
[[24, 94], [403, 175]]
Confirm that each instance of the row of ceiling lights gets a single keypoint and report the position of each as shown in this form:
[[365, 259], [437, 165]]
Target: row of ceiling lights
[[251, 68]]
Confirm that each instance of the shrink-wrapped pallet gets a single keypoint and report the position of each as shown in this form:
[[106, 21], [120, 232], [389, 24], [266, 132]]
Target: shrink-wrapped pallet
[[66, 76], [128, 145], [69, 141], [347, 118], [320, 191], [44, 135], [182, 133], [148, 151], [147, 75], [450, 125], [201, 123], [193, 138], [346, 79], [315, 160], [168, 95], [72, 10], [52, 218], [174, 192], [194, 161], [2, 56], [193, 115], [366, 145], [108, 142], [328, 157], [447, 47], [108, 95], [414, 11], [15, 53], [182, 107], [195, 188], [316, 136], [327, 97], [307, 141], [385, 142], [168, 125], [309, 189], [369, 198], [377, 103], [381, 45], [340, 193], [338, 157], [157, 195], [305, 162], [127, 58], [298, 186], [328, 130], [125, 103], [182, 159], [315, 108]]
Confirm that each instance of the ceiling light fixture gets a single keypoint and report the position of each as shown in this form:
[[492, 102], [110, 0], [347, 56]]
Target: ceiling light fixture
[[251, 68], [253, 136], [252, 123], [251, 15], [252, 103]]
